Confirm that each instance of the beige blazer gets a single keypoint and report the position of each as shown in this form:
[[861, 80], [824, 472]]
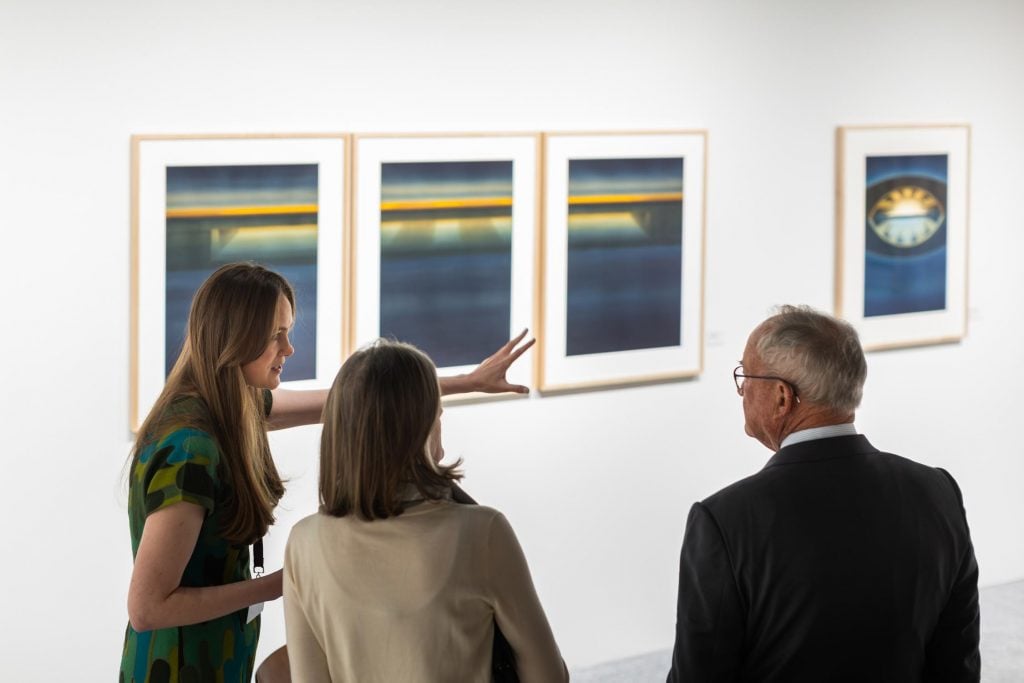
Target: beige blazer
[[412, 598]]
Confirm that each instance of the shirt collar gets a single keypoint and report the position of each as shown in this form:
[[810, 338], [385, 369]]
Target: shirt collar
[[826, 432], [411, 495]]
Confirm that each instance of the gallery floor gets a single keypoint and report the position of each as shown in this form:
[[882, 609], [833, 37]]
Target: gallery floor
[[1002, 646]]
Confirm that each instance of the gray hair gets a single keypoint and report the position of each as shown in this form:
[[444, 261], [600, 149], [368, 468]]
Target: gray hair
[[818, 353]]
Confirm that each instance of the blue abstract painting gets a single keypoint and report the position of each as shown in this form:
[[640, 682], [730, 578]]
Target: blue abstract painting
[[905, 234], [262, 213], [446, 257], [625, 255]]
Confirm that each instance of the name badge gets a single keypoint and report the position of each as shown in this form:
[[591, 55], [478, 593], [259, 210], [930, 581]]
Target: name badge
[[254, 611]]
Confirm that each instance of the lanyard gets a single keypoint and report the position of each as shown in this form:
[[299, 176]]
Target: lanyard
[[257, 558]]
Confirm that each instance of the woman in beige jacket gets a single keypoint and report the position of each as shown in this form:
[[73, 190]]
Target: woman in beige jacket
[[392, 580]]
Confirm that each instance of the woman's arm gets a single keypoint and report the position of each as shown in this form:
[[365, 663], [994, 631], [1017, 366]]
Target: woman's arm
[[156, 598], [295, 408], [517, 609]]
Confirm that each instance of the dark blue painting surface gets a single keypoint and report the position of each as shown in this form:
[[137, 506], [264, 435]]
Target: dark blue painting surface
[[455, 307], [906, 277], [620, 302]]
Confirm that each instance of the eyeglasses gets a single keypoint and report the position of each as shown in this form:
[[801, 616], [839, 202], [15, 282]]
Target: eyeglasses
[[739, 378]]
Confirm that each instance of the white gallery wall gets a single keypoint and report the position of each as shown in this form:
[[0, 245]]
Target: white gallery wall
[[596, 484]]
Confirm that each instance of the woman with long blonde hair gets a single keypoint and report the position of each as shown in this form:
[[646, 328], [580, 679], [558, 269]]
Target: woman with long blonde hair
[[393, 580], [203, 485]]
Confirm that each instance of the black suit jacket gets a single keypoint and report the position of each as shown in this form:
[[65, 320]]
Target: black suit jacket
[[836, 562]]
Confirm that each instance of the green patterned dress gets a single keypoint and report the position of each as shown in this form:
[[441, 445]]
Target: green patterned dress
[[182, 466]]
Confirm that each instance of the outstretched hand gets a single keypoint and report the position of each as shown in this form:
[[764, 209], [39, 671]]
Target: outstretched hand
[[489, 376]]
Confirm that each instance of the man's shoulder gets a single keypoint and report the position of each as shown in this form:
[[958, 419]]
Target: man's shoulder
[[741, 490], [811, 459]]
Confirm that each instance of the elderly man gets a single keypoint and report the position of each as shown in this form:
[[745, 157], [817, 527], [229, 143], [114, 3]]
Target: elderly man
[[836, 562]]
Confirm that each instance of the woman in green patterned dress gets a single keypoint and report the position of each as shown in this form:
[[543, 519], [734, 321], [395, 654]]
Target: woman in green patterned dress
[[203, 487]]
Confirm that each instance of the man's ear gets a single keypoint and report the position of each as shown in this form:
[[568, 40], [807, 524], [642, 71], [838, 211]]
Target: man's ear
[[785, 398], [780, 395]]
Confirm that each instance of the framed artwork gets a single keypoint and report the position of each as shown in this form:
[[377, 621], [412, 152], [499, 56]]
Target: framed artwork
[[623, 273], [902, 206], [443, 244], [199, 202]]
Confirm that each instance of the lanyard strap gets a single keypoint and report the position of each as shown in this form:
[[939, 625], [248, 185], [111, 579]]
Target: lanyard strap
[[257, 557]]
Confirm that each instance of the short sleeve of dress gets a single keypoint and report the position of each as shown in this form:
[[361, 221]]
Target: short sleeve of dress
[[181, 467]]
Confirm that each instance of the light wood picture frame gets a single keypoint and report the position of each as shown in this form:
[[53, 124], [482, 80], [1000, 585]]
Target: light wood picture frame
[[200, 201], [902, 220], [623, 258], [443, 243]]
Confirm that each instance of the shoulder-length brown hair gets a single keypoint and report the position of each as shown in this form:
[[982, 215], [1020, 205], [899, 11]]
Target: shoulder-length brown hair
[[377, 420], [230, 323]]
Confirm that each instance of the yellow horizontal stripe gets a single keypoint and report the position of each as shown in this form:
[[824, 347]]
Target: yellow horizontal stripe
[[431, 204], [625, 198], [219, 211]]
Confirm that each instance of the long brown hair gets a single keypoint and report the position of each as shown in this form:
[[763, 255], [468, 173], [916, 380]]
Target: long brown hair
[[230, 324], [377, 420]]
